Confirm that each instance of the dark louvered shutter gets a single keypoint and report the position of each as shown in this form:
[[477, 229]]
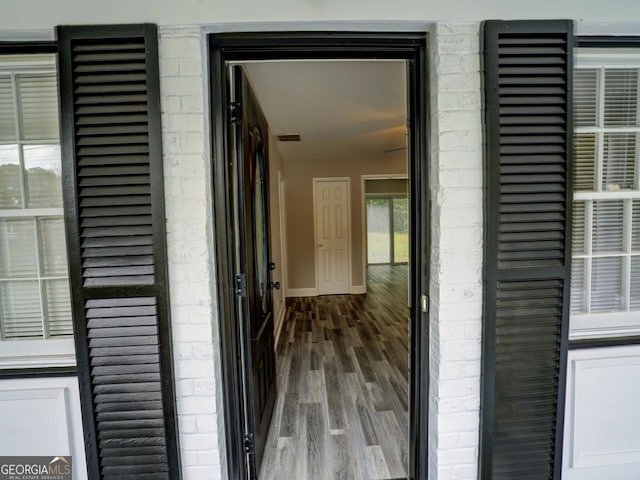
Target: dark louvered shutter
[[527, 256], [112, 167]]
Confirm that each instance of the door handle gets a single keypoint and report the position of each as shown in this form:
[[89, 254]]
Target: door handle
[[275, 285]]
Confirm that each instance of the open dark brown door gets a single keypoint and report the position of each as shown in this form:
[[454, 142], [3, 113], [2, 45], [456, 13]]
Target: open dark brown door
[[253, 281]]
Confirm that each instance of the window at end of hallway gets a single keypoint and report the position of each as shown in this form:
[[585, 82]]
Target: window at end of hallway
[[605, 271], [35, 306]]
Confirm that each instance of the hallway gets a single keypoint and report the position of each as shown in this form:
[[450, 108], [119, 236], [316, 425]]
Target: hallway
[[342, 363]]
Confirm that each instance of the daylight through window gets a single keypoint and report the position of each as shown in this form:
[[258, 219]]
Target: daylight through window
[[606, 212], [34, 288]]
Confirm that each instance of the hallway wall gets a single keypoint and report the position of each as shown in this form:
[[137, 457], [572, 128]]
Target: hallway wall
[[276, 232], [299, 197]]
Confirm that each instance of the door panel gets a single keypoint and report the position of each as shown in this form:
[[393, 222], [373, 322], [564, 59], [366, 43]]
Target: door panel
[[333, 256], [253, 216]]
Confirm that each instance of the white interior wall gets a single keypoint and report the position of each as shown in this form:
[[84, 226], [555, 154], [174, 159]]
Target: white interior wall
[[301, 255], [276, 234]]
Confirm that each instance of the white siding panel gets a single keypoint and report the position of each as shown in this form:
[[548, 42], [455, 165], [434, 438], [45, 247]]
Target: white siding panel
[[602, 417], [41, 416]]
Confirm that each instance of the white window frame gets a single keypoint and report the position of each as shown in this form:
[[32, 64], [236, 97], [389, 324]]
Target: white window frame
[[45, 352], [621, 323]]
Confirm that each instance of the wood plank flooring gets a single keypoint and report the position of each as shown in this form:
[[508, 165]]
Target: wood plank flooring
[[342, 363]]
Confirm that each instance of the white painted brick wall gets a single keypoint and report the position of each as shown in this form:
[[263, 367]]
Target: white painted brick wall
[[456, 257], [190, 253]]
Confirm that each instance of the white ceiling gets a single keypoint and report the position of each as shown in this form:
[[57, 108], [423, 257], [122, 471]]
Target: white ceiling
[[341, 109]]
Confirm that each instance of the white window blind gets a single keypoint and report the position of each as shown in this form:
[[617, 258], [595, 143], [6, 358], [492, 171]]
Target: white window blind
[[35, 306], [605, 290]]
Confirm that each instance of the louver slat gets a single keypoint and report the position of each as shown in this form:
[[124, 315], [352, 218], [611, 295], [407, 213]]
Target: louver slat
[[525, 141], [115, 227], [113, 112], [527, 252]]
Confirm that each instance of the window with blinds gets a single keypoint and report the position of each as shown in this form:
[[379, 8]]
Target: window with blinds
[[35, 307], [605, 291]]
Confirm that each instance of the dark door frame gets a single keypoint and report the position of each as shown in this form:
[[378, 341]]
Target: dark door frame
[[229, 47]]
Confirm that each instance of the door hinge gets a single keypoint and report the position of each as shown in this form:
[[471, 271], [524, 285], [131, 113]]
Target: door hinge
[[235, 113], [241, 285], [248, 443]]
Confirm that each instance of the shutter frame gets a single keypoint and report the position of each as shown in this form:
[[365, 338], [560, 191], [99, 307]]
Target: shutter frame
[[502, 278], [98, 464]]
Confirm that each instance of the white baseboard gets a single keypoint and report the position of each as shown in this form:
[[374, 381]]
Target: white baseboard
[[312, 292], [279, 323], [301, 292]]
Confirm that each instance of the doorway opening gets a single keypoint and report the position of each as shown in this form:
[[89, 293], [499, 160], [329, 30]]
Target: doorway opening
[[325, 368]]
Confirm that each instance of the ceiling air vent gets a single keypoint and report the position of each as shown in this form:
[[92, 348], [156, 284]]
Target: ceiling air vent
[[289, 137]]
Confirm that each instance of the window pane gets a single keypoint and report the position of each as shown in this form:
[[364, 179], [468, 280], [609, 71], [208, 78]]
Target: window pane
[[20, 309], [7, 115], [18, 249], [578, 244], [635, 227], [378, 231], [619, 161], [620, 97], [58, 305], [44, 175], [585, 156], [634, 298], [10, 190], [606, 285], [53, 254], [578, 296], [584, 91], [607, 226], [400, 230], [38, 106]]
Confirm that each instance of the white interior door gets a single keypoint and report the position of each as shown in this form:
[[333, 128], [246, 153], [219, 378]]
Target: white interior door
[[333, 244]]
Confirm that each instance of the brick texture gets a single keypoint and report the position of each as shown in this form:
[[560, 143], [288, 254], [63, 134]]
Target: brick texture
[[456, 257], [190, 253]]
